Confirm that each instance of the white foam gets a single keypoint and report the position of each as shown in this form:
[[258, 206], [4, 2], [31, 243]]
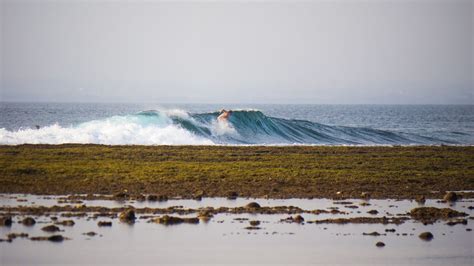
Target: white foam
[[222, 127], [112, 131]]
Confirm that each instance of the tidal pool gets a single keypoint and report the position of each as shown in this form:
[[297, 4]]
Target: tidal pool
[[224, 240]]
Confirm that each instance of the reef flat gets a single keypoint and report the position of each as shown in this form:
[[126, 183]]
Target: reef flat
[[400, 172]]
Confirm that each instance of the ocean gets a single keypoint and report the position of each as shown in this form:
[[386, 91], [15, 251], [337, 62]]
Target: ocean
[[249, 124]]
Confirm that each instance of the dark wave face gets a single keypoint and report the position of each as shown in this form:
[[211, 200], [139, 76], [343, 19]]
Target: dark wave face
[[254, 127], [182, 128]]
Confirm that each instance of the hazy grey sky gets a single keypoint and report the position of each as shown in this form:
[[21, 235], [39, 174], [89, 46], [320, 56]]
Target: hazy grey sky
[[342, 51]]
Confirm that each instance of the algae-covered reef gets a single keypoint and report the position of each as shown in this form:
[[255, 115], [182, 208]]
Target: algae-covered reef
[[251, 171]]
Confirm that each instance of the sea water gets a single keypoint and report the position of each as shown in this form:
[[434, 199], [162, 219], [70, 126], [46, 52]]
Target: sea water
[[224, 240], [249, 124]]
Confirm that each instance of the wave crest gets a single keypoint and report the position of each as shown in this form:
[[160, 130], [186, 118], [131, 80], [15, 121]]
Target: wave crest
[[177, 127]]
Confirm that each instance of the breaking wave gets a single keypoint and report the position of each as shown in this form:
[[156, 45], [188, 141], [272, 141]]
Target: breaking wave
[[182, 128]]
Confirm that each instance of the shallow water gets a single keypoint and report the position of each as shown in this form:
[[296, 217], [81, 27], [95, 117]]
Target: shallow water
[[225, 241]]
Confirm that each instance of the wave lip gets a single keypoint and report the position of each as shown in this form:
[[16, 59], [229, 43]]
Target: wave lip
[[177, 127]]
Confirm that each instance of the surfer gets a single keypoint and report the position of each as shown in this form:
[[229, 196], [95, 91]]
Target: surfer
[[224, 115]]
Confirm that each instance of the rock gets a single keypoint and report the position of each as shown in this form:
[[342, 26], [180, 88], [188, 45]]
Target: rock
[[254, 223], [56, 238], [429, 215], [450, 196], [127, 216], [205, 215], [390, 230], [380, 244], [371, 234], [468, 229], [157, 198], [198, 195], [426, 236], [121, 195], [352, 206], [51, 228], [6, 221], [252, 228], [232, 195], [104, 223], [373, 212], [66, 223], [253, 205], [420, 199], [298, 219], [91, 233], [170, 220], [365, 195], [28, 221], [15, 235], [140, 197], [457, 221]]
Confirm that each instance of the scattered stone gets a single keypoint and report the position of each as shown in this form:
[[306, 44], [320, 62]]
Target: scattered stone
[[380, 244], [254, 223], [205, 215], [140, 197], [157, 198], [15, 235], [198, 195], [6, 221], [232, 195], [121, 195], [373, 212], [468, 229], [451, 197], [426, 236], [364, 204], [104, 223], [51, 228], [91, 233], [253, 205], [252, 228], [429, 215], [390, 230], [53, 238], [298, 219], [457, 221], [420, 199], [371, 234], [352, 206], [343, 202], [365, 195], [28, 221], [127, 216], [66, 223], [170, 220]]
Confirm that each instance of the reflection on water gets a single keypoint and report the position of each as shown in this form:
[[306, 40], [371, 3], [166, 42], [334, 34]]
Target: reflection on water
[[223, 240]]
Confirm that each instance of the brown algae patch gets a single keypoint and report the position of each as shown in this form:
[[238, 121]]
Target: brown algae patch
[[429, 215], [171, 220]]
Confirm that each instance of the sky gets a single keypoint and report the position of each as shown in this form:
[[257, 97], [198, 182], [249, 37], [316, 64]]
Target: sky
[[315, 51]]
